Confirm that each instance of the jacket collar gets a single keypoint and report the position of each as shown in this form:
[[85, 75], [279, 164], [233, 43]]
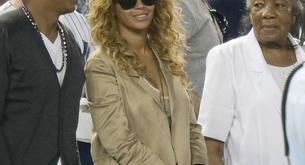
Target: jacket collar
[[144, 84], [256, 60], [258, 68]]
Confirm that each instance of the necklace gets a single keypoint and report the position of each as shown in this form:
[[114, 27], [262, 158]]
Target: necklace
[[162, 93], [64, 46], [165, 104]]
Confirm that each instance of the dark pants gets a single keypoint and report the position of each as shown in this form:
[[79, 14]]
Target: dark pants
[[84, 153]]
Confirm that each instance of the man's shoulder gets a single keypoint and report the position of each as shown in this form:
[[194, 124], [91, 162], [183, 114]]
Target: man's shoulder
[[194, 6], [69, 34], [196, 13], [187, 2], [78, 26], [74, 19], [75, 14]]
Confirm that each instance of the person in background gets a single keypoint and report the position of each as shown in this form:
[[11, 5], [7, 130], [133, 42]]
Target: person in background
[[293, 112], [74, 21], [82, 6], [81, 32], [137, 88], [202, 33], [240, 109], [233, 10], [41, 78]]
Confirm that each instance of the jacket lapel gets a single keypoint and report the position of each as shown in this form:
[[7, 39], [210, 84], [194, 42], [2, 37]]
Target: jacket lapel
[[169, 83], [74, 59], [146, 86], [71, 51], [259, 72], [44, 54]]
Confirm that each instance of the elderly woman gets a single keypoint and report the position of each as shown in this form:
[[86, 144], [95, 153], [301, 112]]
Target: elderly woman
[[241, 104], [141, 110]]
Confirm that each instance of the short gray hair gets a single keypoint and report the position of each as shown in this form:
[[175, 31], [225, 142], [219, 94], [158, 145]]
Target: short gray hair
[[297, 11]]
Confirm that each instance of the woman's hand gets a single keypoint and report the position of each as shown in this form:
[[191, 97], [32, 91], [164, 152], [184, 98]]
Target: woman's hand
[[215, 151]]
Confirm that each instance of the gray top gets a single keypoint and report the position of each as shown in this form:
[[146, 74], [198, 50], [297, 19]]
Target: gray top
[[201, 35]]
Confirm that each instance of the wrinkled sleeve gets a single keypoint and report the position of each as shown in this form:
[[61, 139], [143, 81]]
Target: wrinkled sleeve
[[198, 147], [217, 107], [190, 26], [109, 118], [4, 81]]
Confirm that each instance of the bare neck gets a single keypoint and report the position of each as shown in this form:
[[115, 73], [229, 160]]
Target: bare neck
[[45, 19], [281, 56], [137, 41], [138, 44]]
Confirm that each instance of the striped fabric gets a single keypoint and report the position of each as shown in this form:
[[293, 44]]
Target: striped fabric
[[80, 29]]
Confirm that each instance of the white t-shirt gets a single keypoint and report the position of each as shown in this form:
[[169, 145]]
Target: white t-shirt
[[280, 74], [55, 52]]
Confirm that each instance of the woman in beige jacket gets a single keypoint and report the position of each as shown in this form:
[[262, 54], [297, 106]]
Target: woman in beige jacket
[[136, 86]]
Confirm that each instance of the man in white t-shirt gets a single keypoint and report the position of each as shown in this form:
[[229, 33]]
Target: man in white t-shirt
[[81, 32], [41, 79]]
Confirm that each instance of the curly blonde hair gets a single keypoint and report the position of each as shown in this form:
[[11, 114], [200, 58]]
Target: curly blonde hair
[[164, 33]]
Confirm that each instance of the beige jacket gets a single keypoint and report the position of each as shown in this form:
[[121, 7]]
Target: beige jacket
[[130, 126]]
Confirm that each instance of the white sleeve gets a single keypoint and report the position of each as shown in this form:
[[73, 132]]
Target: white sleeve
[[218, 99]]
